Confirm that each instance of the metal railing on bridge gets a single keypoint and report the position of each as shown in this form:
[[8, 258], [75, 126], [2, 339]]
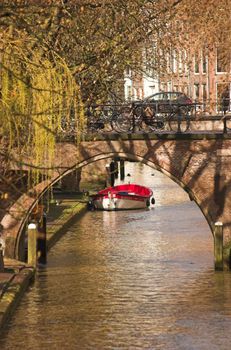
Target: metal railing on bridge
[[153, 117]]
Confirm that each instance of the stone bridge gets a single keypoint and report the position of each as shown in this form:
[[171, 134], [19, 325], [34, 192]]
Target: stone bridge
[[200, 163]]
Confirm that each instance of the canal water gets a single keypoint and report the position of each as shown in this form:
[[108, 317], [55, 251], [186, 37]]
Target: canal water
[[129, 280]]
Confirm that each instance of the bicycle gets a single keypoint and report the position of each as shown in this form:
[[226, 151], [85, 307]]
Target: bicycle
[[147, 118], [179, 120], [97, 118], [105, 117]]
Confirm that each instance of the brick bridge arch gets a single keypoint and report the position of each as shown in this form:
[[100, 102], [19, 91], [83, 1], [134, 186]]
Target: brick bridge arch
[[201, 165]]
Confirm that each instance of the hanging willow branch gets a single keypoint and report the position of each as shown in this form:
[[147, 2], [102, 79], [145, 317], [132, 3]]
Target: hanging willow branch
[[37, 92]]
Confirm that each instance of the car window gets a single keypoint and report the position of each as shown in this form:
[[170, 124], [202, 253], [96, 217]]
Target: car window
[[165, 96], [173, 96], [156, 97]]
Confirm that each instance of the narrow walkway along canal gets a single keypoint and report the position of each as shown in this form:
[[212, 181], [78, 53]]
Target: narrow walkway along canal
[[129, 280]]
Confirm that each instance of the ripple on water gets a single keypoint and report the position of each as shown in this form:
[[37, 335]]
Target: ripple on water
[[129, 280]]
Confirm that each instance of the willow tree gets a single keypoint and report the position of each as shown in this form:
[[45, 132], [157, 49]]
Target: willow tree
[[37, 92]]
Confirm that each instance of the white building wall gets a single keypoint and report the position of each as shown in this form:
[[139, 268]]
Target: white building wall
[[150, 86], [127, 88]]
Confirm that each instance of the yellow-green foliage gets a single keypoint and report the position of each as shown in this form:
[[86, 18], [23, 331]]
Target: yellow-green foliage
[[37, 92]]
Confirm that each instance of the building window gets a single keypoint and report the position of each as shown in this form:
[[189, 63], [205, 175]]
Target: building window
[[204, 96], [223, 62], [204, 92], [175, 88], [174, 62], [180, 62], [140, 92], [186, 89], [204, 62], [185, 62], [163, 87], [135, 95], [168, 63], [196, 64], [129, 92], [128, 71], [196, 91], [169, 85]]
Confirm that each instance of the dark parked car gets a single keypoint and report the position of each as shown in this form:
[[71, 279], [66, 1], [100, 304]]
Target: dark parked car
[[167, 102]]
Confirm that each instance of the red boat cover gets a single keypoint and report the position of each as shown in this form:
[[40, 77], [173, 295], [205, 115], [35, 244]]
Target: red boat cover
[[132, 189]]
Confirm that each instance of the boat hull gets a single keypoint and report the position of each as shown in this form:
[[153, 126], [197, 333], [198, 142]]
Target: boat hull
[[122, 197], [120, 203]]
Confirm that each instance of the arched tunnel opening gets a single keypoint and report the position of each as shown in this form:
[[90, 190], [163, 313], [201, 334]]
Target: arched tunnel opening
[[174, 216], [171, 201]]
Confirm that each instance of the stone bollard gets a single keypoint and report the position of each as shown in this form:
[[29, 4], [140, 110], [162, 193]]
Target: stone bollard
[[1, 259], [218, 246], [32, 244], [225, 124], [2, 249]]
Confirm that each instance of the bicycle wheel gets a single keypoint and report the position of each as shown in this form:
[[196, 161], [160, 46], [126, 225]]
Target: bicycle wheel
[[154, 123], [122, 120], [151, 120], [180, 121], [95, 125]]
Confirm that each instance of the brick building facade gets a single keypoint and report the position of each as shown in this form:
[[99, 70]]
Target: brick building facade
[[206, 78]]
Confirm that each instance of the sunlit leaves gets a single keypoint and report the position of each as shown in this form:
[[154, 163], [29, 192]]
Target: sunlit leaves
[[36, 93]]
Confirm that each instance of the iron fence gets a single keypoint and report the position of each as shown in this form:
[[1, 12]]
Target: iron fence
[[153, 117]]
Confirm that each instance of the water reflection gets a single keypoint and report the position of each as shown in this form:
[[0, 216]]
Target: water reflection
[[130, 280]]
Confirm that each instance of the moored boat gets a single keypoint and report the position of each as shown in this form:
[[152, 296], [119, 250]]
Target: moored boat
[[125, 196]]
